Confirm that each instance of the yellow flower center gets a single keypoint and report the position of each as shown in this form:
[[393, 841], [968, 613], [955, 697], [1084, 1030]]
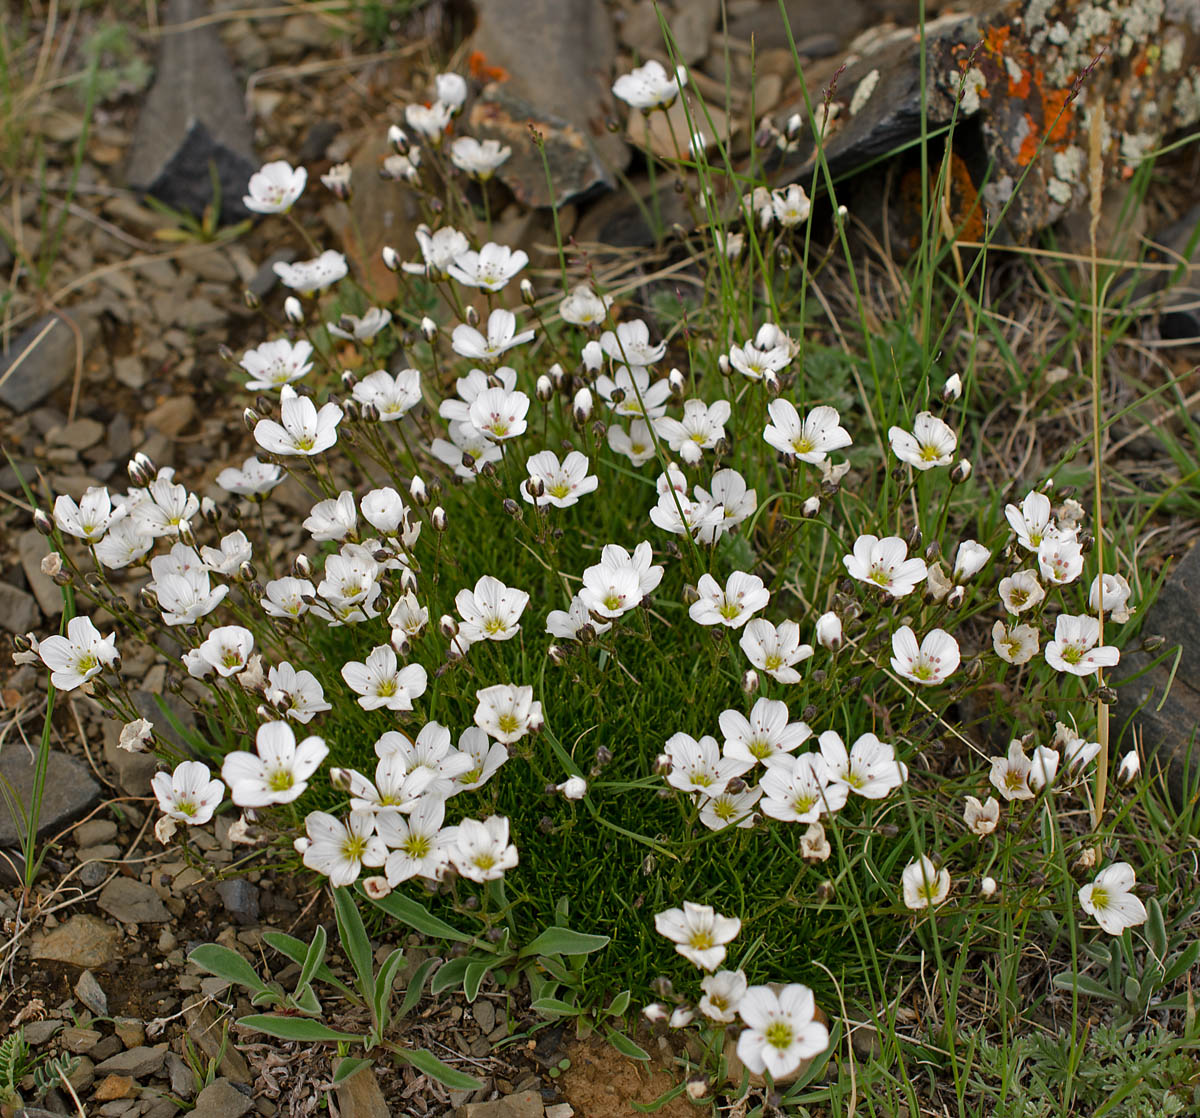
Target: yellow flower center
[[417, 846], [508, 723], [779, 1034], [354, 847], [281, 780], [701, 940]]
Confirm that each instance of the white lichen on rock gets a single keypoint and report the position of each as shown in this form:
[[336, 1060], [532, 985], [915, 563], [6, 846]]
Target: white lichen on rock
[[974, 84], [863, 93]]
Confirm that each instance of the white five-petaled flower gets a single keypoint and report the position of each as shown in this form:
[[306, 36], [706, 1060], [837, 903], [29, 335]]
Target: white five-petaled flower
[[309, 276], [491, 612], [630, 344], [226, 560], [981, 818], [227, 648], [253, 479], [277, 772], [650, 86], [1016, 645], [393, 397], [380, 683], [1010, 775], [884, 563], [766, 732], [507, 712], [630, 392], [430, 120], [781, 1029], [1032, 521], [499, 414], [569, 624], [702, 427], [480, 160], [354, 328], [561, 484], [699, 932], [490, 268], [274, 188], [80, 655], [481, 851], [92, 517], [431, 755], [298, 694], [970, 558], [723, 993], [790, 205], [340, 850], [1060, 559], [809, 440], [285, 597], [1110, 899], [439, 250], [274, 364], [932, 442], [486, 757], [1021, 591], [733, 605], [451, 90], [923, 885], [729, 809], [302, 429], [930, 663], [869, 768], [418, 844], [1116, 594], [697, 766], [1074, 646], [755, 360], [800, 789], [775, 649], [583, 307], [189, 794]]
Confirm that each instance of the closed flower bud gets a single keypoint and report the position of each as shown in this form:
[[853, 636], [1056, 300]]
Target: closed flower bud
[[811, 507], [535, 487], [771, 383], [340, 779], [62, 578], [1154, 643], [933, 552], [960, 471], [617, 396], [448, 627], [662, 764], [292, 310], [250, 418], [1128, 769], [952, 389], [988, 887], [1107, 695], [349, 380], [750, 682], [573, 788], [723, 364], [252, 302], [544, 389], [825, 891], [472, 316], [794, 123], [399, 642], [301, 567], [656, 1012], [42, 522], [418, 492], [429, 329], [391, 258], [736, 786], [438, 519], [398, 138], [581, 406], [210, 510], [528, 296], [829, 631], [690, 595], [511, 507], [556, 375], [246, 571], [915, 540], [148, 598]]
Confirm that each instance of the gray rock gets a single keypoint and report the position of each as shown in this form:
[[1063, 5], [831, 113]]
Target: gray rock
[[183, 1079], [132, 902], [83, 941], [523, 1104], [89, 991], [69, 792], [221, 1099], [79, 1040], [95, 832], [361, 1097], [240, 898], [557, 57], [39, 1032], [193, 115], [19, 611], [805, 17], [43, 358], [138, 1062], [32, 549]]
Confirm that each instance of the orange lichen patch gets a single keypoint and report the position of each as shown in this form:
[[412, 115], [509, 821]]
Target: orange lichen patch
[[478, 68], [1029, 145], [1020, 88], [966, 214], [1054, 102], [996, 40]]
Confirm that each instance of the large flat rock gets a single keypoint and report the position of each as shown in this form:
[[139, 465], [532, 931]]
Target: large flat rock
[[69, 792]]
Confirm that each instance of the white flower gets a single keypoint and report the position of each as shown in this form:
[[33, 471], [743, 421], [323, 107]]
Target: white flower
[[775, 650], [431, 755], [91, 518], [701, 428], [636, 444], [384, 509], [790, 205], [492, 611], [450, 89], [298, 693], [698, 932], [254, 478], [1060, 559], [611, 589], [583, 307], [285, 597], [870, 767], [333, 519], [1032, 521], [730, 495], [931, 443], [395, 788], [309, 276], [766, 732], [473, 385], [561, 485], [225, 560], [340, 850], [480, 160], [379, 683], [800, 789], [136, 736], [573, 788], [743, 595], [1129, 768], [351, 576], [186, 597], [723, 993], [353, 328], [649, 87], [1016, 645], [189, 794], [883, 563], [639, 398], [1076, 752], [430, 120], [227, 648], [923, 885], [392, 396], [438, 249], [466, 438], [418, 843], [697, 766], [1021, 591], [1010, 775], [981, 818], [482, 851], [933, 662], [167, 509], [507, 712], [630, 344], [274, 188], [278, 772], [1110, 899], [274, 364], [809, 440], [1115, 600], [408, 615], [1074, 646], [1043, 767], [755, 361], [486, 757], [80, 655], [781, 1029], [500, 414], [490, 268], [969, 559], [729, 809], [124, 543], [302, 429], [567, 624]]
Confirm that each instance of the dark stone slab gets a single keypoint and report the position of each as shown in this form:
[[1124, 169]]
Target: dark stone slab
[[69, 793], [43, 358]]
